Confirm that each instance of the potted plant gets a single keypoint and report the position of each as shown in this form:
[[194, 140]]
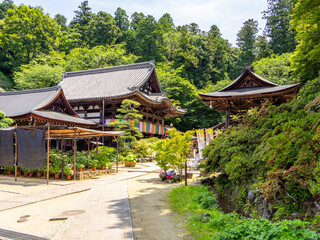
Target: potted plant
[[40, 172], [102, 165], [93, 164], [130, 160], [110, 165], [26, 172], [56, 170], [30, 171], [80, 167], [68, 171], [9, 169]]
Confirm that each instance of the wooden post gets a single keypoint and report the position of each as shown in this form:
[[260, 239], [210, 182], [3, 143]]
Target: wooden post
[[48, 151], [117, 152], [228, 117], [97, 146], [15, 156], [185, 174], [74, 154]]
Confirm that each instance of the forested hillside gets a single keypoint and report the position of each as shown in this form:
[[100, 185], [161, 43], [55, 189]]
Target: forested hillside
[[36, 49]]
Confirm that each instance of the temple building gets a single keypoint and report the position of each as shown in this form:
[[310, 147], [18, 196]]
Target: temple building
[[96, 95], [41, 106], [249, 90]]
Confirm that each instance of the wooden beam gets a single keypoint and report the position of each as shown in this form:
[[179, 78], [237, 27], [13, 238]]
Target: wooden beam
[[15, 156], [74, 154]]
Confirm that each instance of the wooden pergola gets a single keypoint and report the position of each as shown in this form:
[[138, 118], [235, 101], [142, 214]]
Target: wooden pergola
[[63, 132]]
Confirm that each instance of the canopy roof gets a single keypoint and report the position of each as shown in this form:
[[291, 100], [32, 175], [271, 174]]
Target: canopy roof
[[43, 105], [116, 83], [247, 91]]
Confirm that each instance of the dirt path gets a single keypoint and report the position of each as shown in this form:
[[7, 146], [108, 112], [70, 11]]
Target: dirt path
[[150, 210]]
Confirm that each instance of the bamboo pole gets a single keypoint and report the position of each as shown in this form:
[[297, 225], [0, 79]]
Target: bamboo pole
[[15, 156], [48, 151], [74, 154]]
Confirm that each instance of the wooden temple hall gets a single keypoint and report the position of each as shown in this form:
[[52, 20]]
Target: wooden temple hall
[[249, 90], [97, 94]]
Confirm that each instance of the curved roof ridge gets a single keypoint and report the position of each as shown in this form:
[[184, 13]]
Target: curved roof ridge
[[246, 71], [110, 69], [39, 90]]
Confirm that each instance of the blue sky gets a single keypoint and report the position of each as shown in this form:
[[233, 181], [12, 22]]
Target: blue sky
[[228, 15]]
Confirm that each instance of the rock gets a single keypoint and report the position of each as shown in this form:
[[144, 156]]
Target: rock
[[266, 214], [296, 215], [205, 217], [251, 195], [206, 181]]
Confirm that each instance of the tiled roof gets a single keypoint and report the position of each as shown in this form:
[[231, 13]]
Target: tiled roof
[[19, 103], [249, 91], [23, 102], [106, 82]]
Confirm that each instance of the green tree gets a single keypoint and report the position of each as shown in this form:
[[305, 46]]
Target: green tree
[[281, 37], [5, 122], [102, 30], [62, 21], [122, 19], [166, 22], [262, 47], [5, 6], [128, 111], [274, 68], [136, 18], [149, 40], [25, 34], [172, 152], [80, 22], [37, 76], [306, 58], [98, 57], [246, 39]]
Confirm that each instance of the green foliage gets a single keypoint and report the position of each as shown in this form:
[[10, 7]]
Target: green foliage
[[97, 57], [305, 20], [230, 226], [246, 39], [282, 38], [128, 111], [37, 76], [130, 158], [275, 146], [274, 68], [207, 200], [25, 33], [172, 151], [68, 170], [144, 147], [5, 122]]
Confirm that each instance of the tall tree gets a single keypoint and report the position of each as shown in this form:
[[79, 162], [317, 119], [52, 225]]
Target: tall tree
[[62, 21], [81, 20], [262, 47], [136, 18], [102, 30], [26, 33], [149, 40], [166, 22], [122, 19], [281, 37], [246, 39], [306, 59]]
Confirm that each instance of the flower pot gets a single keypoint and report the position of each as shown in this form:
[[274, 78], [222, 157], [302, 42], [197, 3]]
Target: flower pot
[[30, 174], [56, 176], [80, 170], [94, 168], [39, 174], [26, 174], [18, 173], [9, 172], [129, 164], [102, 167], [69, 177]]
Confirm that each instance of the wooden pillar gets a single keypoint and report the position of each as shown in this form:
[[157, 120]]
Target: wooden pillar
[[74, 154], [48, 151], [15, 156], [97, 146], [103, 120], [117, 153], [228, 113]]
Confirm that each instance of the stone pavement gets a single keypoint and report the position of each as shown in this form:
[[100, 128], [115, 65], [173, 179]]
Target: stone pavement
[[107, 210], [104, 212]]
